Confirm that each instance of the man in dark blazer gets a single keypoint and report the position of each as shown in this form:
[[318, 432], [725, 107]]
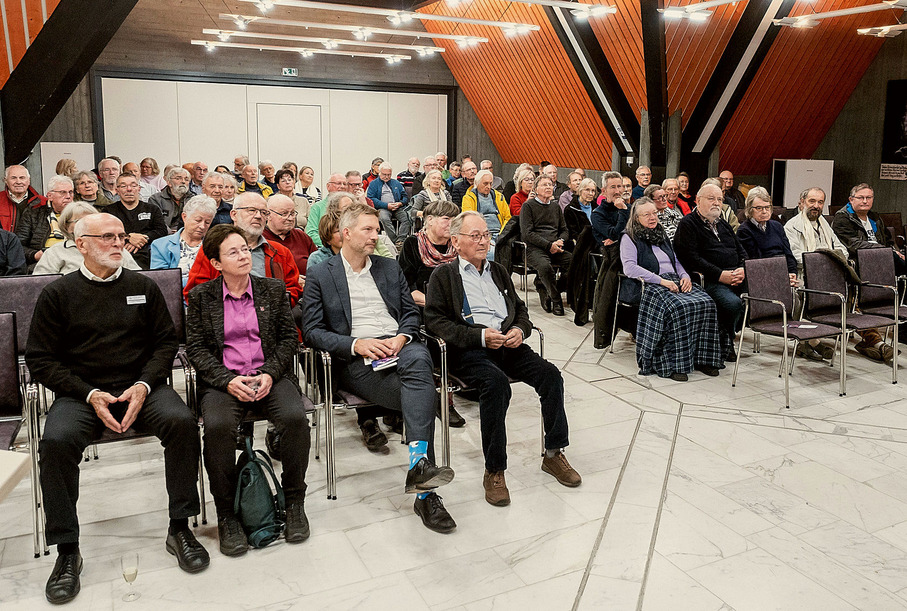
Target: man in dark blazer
[[358, 307], [472, 305], [241, 339]]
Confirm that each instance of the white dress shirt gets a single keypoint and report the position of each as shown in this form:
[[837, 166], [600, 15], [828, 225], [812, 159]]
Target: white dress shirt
[[370, 316]]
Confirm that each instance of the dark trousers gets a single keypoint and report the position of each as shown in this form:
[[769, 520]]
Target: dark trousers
[[222, 413], [489, 371], [72, 424], [543, 262], [404, 223], [730, 307], [409, 388]]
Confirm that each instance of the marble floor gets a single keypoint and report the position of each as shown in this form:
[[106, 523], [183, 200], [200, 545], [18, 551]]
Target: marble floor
[[696, 495]]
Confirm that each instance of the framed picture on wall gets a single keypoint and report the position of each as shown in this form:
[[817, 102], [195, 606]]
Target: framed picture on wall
[[894, 139]]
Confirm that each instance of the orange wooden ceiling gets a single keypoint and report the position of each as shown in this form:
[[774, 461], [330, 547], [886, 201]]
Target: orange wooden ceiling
[[620, 36], [693, 50], [524, 89], [801, 87], [17, 43]]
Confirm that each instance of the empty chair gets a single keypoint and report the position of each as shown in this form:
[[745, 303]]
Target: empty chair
[[769, 305], [826, 298], [878, 292]]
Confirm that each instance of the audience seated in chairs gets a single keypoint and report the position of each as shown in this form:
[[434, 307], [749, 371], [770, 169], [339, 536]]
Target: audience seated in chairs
[[512, 186], [269, 259], [433, 190], [144, 222], [170, 199], [88, 190], [578, 213], [608, 223], [281, 229], [677, 329], [39, 226], [241, 339], [473, 306], [65, 257], [525, 181], [358, 307], [706, 244], [482, 198], [390, 199], [17, 197], [178, 250], [108, 365], [545, 233]]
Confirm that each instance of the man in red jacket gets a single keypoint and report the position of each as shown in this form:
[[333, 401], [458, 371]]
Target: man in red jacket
[[17, 197], [270, 260]]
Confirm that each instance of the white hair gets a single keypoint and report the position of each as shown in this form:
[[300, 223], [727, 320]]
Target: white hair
[[200, 203], [175, 171], [58, 180], [9, 169], [385, 166], [482, 174]]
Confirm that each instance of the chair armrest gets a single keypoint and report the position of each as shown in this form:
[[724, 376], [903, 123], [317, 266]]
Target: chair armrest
[[879, 286], [328, 382], [701, 277], [818, 292]]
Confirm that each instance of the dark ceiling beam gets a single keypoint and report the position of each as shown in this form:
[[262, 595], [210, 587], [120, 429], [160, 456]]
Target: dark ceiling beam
[[61, 55], [597, 77], [744, 54], [656, 66]]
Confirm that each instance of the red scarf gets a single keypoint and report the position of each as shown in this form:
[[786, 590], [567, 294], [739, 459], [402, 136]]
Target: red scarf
[[431, 256]]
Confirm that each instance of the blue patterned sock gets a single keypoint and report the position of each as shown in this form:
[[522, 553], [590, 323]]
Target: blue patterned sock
[[422, 495], [417, 450]]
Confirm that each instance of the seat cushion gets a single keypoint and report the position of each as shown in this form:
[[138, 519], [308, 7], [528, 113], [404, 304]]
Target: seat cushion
[[886, 311], [352, 400], [854, 321], [795, 330], [9, 429]]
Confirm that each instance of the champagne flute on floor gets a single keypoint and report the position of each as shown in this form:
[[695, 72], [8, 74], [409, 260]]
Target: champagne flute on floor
[[130, 565]]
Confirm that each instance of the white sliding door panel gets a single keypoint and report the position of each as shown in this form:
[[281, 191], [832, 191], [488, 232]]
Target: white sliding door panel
[[358, 129], [290, 132], [212, 123], [412, 120], [141, 120]]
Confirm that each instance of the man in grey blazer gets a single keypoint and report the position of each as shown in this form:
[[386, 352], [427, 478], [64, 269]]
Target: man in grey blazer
[[358, 307]]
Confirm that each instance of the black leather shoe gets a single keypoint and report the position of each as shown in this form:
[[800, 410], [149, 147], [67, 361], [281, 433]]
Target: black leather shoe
[[707, 370], [297, 529], [426, 476], [233, 541], [454, 418], [543, 297], [394, 423], [372, 435], [63, 584], [433, 514], [557, 308], [245, 429], [679, 377], [272, 442], [190, 554]]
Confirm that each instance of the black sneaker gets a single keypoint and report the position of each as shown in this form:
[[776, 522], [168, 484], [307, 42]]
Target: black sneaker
[[707, 370], [272, 442], [233, 541], [426, 476], [372, 435], [394, 423], [434, 515], [297, 529]]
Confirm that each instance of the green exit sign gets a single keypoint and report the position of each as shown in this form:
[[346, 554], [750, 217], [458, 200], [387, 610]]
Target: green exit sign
[[290, 72]]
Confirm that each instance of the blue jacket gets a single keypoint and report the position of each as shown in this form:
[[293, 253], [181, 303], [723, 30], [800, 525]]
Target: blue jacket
[[374, 192], [165, 252]]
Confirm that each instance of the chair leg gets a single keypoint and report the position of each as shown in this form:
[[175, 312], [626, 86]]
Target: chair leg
[[787, 377], [737, 362], [792, 358]]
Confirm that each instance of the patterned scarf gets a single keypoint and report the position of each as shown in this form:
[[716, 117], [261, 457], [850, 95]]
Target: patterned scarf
[[431, 256], [654, 236], [55, 232]]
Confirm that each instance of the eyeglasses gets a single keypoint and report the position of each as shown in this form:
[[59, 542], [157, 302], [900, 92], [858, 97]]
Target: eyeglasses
[[662, 196], [236, 252], [63, 192], [287, 216], [252, 211], [762, 208], [864, 198], [335, 182], [477, 237], [108, 238]]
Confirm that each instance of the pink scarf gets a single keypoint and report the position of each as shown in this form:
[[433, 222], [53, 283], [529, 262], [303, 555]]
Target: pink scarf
[[431, 256]]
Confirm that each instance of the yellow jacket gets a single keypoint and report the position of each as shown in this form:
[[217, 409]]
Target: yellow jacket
[[471, 202]]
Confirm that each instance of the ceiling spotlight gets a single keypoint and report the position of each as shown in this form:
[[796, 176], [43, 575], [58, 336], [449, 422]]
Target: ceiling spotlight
[[393, 59], [265, 5], [674, 13], [699, 16], [593, 11], [306, 53], [425, 51], [223, 36], [361, 34], [210, 46], [241, 22], [887, 31], [330, 44]]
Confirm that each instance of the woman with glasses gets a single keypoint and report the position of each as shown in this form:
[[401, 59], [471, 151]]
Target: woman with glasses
[[88, 191], [524, 180], [286, 185], [179, 249], [677, 328], [64, 257], [762, 236], [151, 174]]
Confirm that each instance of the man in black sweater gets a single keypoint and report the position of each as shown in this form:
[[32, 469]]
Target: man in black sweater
[[706, 243], [544, 230], [108, 364], [144, 222]]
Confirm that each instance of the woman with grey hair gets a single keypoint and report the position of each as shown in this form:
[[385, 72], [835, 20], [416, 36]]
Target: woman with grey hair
[[65, 257], [87, 190], [762, 236], [178, 250], [513, 186], [433, 191], [677, 326]]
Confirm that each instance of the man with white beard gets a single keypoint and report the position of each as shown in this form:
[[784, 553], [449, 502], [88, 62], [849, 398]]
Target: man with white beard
[[171, 199]]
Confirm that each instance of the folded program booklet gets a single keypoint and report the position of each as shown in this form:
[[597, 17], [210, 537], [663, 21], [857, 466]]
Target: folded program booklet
[[385, 363]]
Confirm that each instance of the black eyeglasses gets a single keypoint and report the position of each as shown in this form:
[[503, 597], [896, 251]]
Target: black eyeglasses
[[108, 238], [252, 210]]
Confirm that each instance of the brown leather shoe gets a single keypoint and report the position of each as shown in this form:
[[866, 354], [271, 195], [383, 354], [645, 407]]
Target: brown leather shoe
[[496, 492], [558, 466]]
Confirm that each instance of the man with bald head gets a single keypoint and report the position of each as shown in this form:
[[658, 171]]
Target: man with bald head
[[428, 164], [732, 195], [281, 228], [17, 197], [705, 243], [108, 367], [269, 259], [336, 182]]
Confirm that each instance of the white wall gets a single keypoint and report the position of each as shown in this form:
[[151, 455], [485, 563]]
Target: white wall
[[329, 129]]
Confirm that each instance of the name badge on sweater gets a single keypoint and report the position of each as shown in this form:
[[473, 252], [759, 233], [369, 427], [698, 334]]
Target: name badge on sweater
[[135, 299], [144, 216]]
